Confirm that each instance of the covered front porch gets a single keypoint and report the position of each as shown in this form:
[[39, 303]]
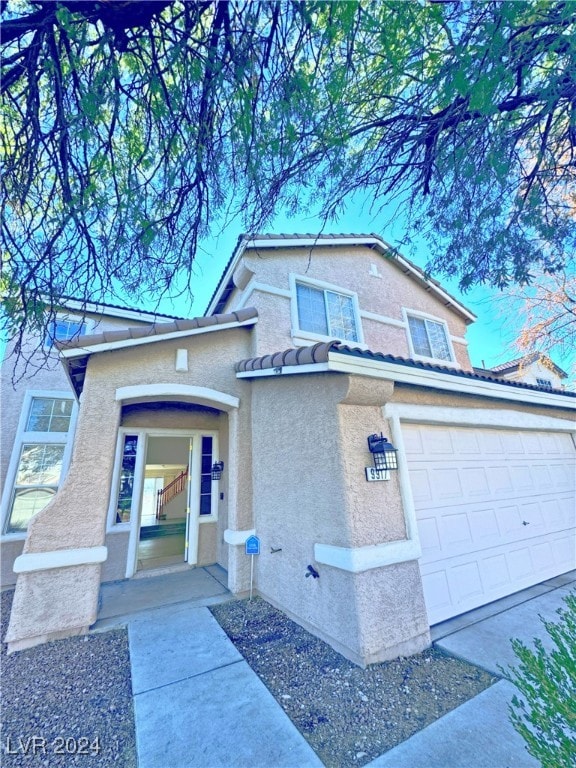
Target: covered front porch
[[127, 598]]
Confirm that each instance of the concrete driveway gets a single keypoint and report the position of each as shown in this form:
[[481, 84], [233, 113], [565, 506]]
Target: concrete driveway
[[478, 734]]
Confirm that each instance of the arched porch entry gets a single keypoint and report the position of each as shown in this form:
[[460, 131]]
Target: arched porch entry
[[166, 501]]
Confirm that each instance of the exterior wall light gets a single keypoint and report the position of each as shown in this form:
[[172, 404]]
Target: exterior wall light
[[217, 469], [384, 454]]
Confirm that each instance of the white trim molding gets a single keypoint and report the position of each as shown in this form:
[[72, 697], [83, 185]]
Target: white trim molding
[[359, 559], [238, 538], [475, 417], [364, 313], [107, 346], [340, 362], [421, 377], [253, 287], [59, 558], [178, 390], [284, 370]]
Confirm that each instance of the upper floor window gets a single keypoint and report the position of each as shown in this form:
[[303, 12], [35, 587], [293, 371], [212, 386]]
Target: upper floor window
[[545, 383], [49, 414], [429, 338], [326, 312], [64, 329]]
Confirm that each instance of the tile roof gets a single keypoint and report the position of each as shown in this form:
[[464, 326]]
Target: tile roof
[[100, 305], [319, 353], [158, 329], [513, 365]]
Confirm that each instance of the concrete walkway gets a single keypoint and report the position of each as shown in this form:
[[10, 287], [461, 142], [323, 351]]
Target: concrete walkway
[[479, 734], [198, 704]]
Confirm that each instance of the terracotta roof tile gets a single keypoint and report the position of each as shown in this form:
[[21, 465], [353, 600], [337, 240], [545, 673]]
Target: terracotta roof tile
[[158, 329], [319, 353]]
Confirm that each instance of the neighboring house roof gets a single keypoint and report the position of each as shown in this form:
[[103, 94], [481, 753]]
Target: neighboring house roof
[[111, 310], [321, 353], [526, 360], [268, 241], [75, 353]]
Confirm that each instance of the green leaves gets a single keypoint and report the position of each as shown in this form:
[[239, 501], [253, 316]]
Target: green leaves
[[129, 136], [545, 714]]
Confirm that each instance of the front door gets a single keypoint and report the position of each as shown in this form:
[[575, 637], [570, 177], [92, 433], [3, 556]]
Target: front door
[[164, 508], [164, 492]]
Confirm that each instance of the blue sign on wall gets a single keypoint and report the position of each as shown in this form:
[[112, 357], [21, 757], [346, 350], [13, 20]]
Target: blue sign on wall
[[252, 545]]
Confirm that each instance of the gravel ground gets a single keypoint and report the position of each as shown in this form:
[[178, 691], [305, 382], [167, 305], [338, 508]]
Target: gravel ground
[[348, 715], [67, 703]]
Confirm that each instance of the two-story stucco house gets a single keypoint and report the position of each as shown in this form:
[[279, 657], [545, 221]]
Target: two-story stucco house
[[264, 417]]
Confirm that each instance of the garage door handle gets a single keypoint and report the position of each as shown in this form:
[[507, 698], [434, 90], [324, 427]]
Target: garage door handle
[[525, 523]]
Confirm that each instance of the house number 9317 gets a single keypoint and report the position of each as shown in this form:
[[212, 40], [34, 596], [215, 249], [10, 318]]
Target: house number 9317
[[372, 475]]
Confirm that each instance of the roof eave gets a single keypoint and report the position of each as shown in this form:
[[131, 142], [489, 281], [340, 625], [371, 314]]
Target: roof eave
[[90, 349]]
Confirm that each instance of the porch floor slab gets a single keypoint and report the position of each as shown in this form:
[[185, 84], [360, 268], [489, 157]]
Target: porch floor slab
[[120, 600]]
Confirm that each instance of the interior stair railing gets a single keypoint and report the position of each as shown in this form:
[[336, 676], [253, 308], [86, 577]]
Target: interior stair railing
[[173, 489]]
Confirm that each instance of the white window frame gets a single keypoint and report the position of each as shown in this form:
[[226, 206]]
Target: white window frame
[[301, 336], [22, 437], [73, 318], [407, 313]]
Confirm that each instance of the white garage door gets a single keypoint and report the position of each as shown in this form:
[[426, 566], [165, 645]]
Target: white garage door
[[496, 511]]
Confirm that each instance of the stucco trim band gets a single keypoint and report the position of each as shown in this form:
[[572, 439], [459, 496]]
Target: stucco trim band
[[180, 390], [443, 381], [237, 538], [60, 558], [475, 417], [358, 559]]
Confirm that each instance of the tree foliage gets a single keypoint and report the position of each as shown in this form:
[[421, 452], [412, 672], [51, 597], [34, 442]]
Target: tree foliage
[[545, 712], [134, 129], [546, 311]]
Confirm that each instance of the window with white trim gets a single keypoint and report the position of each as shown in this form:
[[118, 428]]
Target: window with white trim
[[429, 338], [41, 454], [326, 312], [63, 329]]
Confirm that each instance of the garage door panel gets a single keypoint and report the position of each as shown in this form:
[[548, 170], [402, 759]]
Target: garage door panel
[[520, 564], [495, 572], [522, 476], [436, 591], [490, 443], [484, 526], [499, 480], [475, 480], [429, 537], [498, 518]]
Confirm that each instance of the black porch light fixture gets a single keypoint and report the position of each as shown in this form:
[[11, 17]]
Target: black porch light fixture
[[217, 469], [384, 454]]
